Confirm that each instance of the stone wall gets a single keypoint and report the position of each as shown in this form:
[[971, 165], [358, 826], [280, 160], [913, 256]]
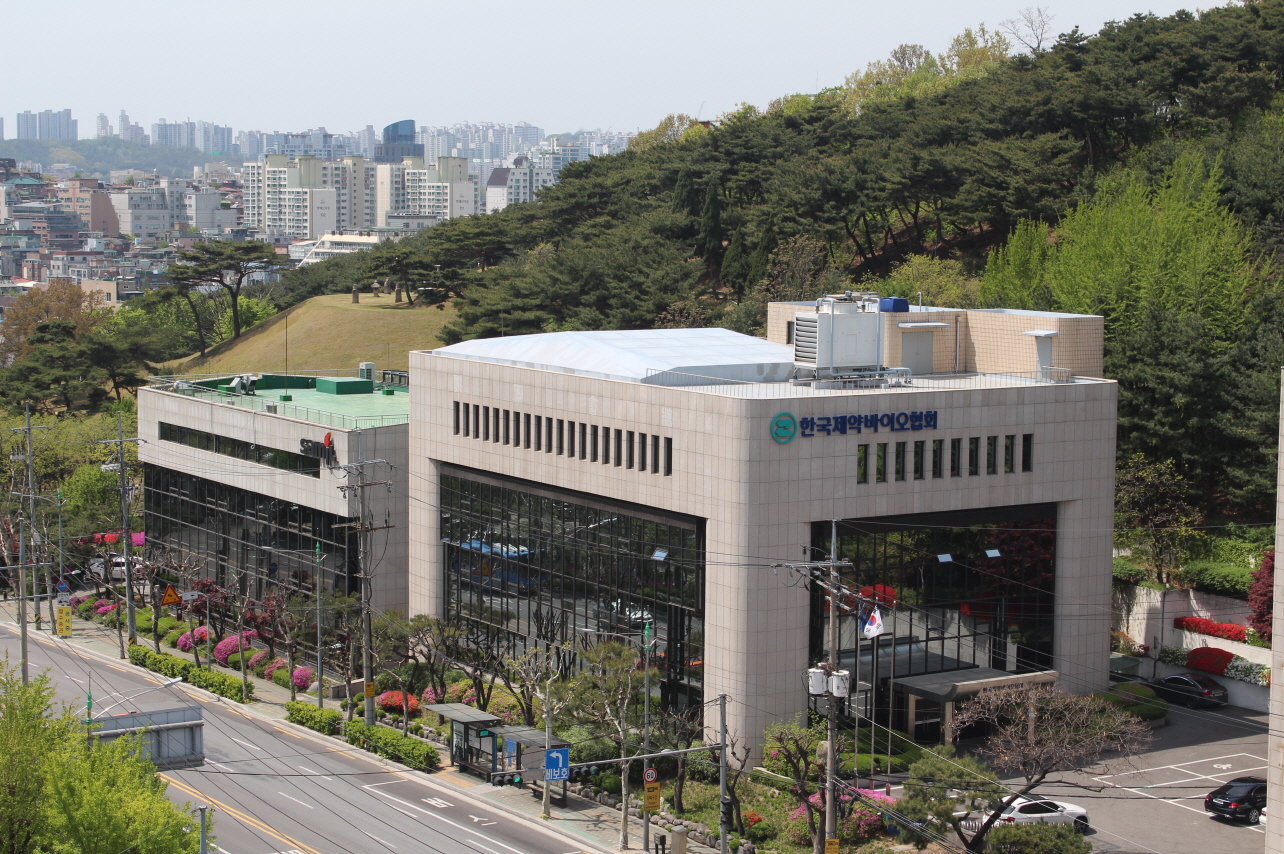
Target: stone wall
[[1147, 615]]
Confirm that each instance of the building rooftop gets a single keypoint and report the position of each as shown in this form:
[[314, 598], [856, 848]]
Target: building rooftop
[[319, 399], [654, 356]]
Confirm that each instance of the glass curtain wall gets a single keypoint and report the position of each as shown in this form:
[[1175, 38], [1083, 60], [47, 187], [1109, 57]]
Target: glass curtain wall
[[560, 571], [956, 591], [230, 530]]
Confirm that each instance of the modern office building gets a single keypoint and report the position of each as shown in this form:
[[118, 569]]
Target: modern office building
[[1275, 740], [574, 486], [249, 474], [398, 143]]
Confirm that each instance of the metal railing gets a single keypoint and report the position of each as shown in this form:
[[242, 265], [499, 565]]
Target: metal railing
[[839, 386], [284, 408]]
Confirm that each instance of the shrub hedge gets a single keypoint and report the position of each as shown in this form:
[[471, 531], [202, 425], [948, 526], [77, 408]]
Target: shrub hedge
[[1228, 631], [282, 677], [1137, 700], [1224, 579], [223, 684], [324, 721], [385, 742]]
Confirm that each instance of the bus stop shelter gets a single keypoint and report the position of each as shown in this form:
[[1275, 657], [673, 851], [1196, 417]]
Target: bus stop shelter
[[474, 740], [524, 751]]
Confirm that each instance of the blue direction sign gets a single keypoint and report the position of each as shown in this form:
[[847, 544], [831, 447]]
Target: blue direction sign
[[557, 764]]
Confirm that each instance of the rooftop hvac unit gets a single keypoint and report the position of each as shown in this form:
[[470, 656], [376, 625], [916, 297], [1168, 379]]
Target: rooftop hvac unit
[[843, 335], [367, 370]]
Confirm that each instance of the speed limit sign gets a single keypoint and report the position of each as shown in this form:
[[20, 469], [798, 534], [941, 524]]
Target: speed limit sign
[[650, 775]]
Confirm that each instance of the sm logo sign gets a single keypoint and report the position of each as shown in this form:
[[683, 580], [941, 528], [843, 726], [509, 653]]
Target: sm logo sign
[[323, 450]]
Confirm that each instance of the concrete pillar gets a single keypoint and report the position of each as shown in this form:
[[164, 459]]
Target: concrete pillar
[[356, 295], [1275, 743]]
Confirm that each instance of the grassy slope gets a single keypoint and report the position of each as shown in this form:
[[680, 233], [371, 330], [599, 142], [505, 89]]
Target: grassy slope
[[327, 332]]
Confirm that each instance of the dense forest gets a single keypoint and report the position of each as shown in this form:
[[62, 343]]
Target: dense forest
[[1137, 173], [97, 157]]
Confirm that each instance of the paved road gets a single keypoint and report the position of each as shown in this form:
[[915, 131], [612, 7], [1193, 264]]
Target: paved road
[[277, 791]]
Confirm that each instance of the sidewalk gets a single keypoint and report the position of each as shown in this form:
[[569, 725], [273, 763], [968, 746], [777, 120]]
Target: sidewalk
[[581, 818]]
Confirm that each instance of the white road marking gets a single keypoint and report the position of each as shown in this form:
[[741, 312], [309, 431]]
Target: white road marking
[[436, 802], [486, 822], [218, 765], [296, 800], [1182, 767], [441, 818], [247, 744], [317, 773], [380, 841], [489, 850]]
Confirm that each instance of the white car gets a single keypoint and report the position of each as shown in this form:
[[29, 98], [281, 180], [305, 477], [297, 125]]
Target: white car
[[1040, 811]]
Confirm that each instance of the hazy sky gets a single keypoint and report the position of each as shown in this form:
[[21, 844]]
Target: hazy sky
[[563, 66]]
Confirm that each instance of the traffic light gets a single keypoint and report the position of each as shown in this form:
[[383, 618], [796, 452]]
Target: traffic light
[[726, 815], [585, 772], [506, 778]]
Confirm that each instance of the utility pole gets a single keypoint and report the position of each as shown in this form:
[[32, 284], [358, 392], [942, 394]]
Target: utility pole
[[23, 521], [548, 745], [205, 845], [364, 528], [317, 581], [119, 442], [724, 825], [646, 725], [836, 686]]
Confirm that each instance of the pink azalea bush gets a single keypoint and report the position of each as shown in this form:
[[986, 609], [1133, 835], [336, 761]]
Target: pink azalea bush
[[461, 692], [862, 824], [77, 601], [277, 664], [302, 678], [200, 633], [227, 646], [104, 607], [429, 696], [258, 658], [185, 641]]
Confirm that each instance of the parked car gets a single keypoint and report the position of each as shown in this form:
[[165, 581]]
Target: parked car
[[1041, 811], [620, 616], [1243, 798], [1190, 689], [99, 566]]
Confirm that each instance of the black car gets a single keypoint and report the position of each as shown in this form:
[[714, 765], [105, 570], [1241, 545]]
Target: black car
[[1242, 798], [1190, 689]]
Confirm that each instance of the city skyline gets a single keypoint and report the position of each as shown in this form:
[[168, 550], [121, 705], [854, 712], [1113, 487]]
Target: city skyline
[[607, 68]]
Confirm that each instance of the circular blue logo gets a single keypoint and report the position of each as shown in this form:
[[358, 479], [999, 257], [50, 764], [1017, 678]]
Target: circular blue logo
[[783, 428]]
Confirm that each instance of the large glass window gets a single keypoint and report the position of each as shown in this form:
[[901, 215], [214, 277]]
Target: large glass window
[[249, 543], [960, 590], [240, 449], [534, 566]]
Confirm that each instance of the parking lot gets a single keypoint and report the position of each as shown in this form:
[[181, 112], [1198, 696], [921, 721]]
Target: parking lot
[[1157, 804]]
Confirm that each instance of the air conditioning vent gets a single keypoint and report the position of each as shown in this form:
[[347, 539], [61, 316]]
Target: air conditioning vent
[[806, 336]]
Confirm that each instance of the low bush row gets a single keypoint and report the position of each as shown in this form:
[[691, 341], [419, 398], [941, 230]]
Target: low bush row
[[224, 684], [1219, 662], [1137, 700], [1199, 625], [324, 721], [390, 744]]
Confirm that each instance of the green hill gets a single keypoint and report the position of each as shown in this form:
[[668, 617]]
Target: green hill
[[326, 332]]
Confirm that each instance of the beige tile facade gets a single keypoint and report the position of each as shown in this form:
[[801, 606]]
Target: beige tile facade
[[389, 547], [1275, 743], [759, 497]]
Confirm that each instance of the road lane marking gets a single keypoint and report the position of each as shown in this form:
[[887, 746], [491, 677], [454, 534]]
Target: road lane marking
[[247, 744], [317, 773], [479, 845], [239, 816], [380, 841], [296, 800], [287, 732], [441, 818]]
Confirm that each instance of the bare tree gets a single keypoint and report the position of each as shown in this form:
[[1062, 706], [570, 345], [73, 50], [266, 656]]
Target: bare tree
[[1042, 732], [679, 729], [1032, 27], [798, 747]]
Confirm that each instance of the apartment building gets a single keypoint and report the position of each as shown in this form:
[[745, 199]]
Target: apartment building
[[517, 183], [91, 201]]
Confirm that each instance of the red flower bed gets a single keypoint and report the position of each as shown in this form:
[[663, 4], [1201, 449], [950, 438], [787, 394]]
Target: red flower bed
[[1229, 631], [1209, 660], [391, 702]]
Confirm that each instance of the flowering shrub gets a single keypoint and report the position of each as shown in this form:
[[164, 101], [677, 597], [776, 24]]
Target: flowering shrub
[[1173, 655], [277, 664], [302, 678], [1246, 671], [258, 658], [461, 692], [77, 601], [1228, 631], [185, 641], [1209, 660], [429, 697], [227, 646], [391, 701], [863, 823], [104, 607], [751, 818], [200, 633]]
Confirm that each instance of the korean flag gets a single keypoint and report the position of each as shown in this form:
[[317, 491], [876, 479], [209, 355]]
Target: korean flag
[[872, 625]]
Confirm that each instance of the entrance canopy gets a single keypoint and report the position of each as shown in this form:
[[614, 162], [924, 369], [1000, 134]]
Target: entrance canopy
[[954, 686]]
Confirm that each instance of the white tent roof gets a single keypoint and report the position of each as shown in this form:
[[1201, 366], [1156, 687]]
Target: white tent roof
[[657, 356]]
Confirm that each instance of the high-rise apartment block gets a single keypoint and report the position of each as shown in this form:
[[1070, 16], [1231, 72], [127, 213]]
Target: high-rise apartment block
[[132, 131], [311, 143], [398, 143], [171, 204], [104, 128], [47, 124], [517, 183]]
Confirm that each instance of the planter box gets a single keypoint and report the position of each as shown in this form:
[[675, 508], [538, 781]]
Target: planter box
[[1194, 640]]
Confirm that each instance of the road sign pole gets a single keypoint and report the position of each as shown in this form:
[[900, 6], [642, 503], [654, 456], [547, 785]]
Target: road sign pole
[[548, 746]]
